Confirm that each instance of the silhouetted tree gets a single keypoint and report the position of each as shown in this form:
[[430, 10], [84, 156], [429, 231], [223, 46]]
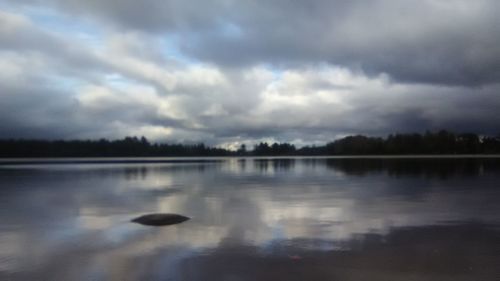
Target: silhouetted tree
[[442, 142], [242, 150]]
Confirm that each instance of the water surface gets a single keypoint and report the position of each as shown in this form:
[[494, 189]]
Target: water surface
[[252, 219]]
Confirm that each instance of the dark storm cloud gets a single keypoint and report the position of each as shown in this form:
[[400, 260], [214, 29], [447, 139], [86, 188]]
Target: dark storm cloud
[[438, 42], [413, 41], [34, 110]]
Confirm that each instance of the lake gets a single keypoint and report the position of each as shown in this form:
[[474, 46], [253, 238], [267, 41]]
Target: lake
[[251, 219]]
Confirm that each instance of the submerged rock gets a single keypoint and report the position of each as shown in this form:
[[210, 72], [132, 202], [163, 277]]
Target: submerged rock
[[160, 219]]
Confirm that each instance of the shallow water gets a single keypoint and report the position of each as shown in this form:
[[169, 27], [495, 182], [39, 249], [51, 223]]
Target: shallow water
[[252, 219]]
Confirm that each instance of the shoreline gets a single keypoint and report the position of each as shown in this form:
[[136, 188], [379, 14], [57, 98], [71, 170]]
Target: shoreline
[[213, 159]]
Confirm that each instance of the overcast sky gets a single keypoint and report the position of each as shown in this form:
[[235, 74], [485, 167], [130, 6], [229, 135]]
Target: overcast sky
[[232, 71]]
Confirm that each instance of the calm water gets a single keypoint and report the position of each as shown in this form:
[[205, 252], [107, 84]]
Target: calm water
[[253, 219]]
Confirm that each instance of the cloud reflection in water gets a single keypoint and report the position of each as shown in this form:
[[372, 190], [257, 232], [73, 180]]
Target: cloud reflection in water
[[71, 222]]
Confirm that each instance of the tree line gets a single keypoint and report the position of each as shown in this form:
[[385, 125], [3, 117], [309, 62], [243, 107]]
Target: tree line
[[441, 142]]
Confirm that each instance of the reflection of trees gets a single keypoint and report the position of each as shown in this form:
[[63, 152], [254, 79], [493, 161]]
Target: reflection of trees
[[242, 164], [422, 167], [133, 173], [264, 165]]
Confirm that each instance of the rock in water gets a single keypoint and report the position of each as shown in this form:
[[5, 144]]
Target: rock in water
[[160, 219]]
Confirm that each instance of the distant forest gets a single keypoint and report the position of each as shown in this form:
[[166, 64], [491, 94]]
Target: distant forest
[[442, 142]]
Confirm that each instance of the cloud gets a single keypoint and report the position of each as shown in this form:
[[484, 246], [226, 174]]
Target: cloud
[[433, 42], [233, 72], [437, 42]]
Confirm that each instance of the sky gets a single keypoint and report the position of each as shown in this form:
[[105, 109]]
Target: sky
[[227, 72]]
